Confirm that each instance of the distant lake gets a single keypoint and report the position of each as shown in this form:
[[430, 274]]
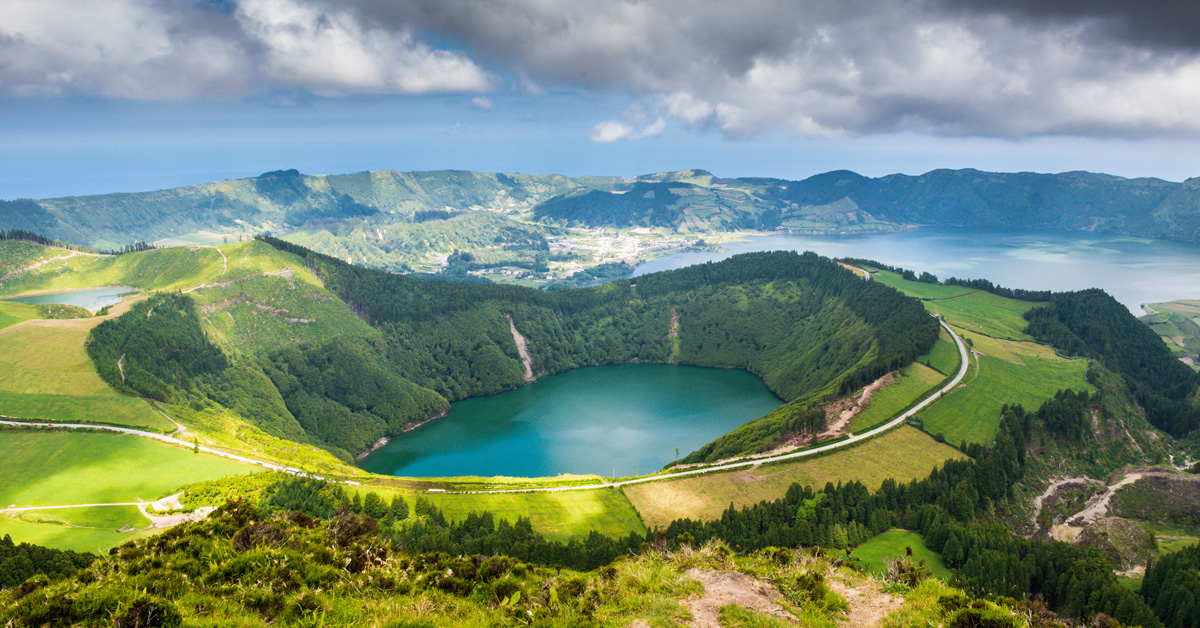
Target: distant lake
[[90, 298], [597, 420], [1134, 270]]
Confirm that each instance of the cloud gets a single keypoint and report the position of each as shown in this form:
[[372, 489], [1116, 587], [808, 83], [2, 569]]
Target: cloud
[[1000, 68], [611, 131], [331, 52], [481, 103], [181, 49], [831, 68]]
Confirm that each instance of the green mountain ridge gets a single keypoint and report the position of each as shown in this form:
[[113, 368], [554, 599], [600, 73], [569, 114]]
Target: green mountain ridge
[[368, 216]]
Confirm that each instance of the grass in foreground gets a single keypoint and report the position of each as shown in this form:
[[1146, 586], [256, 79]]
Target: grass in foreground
[[903, 454], [894, 543], [45, 374], [48, 468], [1009, 372], [282, 572]]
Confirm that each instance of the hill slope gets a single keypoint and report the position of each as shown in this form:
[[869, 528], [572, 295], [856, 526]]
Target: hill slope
[[390, 218]]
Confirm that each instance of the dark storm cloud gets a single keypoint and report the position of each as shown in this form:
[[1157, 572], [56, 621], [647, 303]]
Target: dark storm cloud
[[1151, 23], [813, 67]]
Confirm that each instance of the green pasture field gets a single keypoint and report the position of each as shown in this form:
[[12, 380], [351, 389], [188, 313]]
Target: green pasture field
[[904, 454], [1171, 538], [45, 374], [558, 516], [59, 468], [1008, 373], [893, 543], [973, 310], [100, 517], [177, 268], [911, 382], [944, 356], [1178, 324], [94, 540], [12, 313]]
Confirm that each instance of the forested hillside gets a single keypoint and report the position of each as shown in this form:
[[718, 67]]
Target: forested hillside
[[1091, 323], [809, 328]]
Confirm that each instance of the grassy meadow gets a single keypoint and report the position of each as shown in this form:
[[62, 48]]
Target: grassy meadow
[[12, 313], [911, 383], [45, 374], [894, 543], [95, 540], [49, 468], [177, 268], [904, 453], [972, 310], [58, 468]]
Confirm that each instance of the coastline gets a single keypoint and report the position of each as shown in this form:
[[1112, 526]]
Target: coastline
[[384, 440]]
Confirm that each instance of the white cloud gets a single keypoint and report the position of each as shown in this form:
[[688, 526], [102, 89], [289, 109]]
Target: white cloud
[[611, 131], [330, 52], [482, 103], [180, 50]]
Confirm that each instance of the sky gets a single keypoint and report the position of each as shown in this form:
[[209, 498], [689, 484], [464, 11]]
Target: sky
[[102, 96]]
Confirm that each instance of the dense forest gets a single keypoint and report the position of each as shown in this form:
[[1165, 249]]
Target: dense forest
[[1092, 324], [21, 561], [807, 327], [1172, 588]]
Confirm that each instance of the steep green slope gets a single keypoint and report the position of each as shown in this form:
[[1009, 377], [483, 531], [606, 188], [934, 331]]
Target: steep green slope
[[251, 342], [808, 327], [1091, 323]]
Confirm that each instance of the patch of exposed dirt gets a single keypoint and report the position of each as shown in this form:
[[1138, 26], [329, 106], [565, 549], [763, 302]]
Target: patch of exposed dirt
[[168, 520], [1052, 490], [722, 588], [1126, 543], [846, 408], [243, 299], [522, 349], [868, 604]]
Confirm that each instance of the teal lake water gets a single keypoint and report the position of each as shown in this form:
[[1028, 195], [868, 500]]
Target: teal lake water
[[598, 420], [90, 298]]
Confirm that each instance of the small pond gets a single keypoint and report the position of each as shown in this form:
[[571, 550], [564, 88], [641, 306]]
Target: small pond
[[90, 298]]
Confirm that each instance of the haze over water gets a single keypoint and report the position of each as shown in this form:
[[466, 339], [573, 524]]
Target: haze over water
[[1133, 270]]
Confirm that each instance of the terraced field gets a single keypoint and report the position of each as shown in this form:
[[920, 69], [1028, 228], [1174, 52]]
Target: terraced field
[[1003, 372]]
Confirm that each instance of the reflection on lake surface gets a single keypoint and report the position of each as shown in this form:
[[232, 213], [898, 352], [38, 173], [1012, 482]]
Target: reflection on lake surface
[[592, 420], [90, 298], [1134, 270]]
